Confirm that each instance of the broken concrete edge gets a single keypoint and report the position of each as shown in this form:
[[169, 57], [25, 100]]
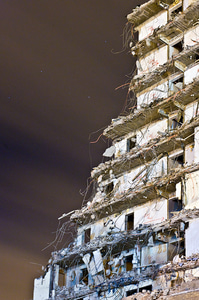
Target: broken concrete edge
[[147, 151], [67, 255], [114, 130], [152, 272]]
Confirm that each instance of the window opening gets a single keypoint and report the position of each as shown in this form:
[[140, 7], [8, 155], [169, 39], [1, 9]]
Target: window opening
[[109, 188], [147, 288], [176, 161], [134, 291], [176, 49], [176, 85], [83, 276], [175, 11], [174, 205], [87, 235], [131, 144], [129, 222], [128, 262], [131, 292], [176, 122]]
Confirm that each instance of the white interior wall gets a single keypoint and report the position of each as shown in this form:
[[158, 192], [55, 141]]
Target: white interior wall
[[129, 180], [42, 287], [121, 147], [151, 61], [192, 189], [152, 212], [191, 37], [191, 238], [190, 111], [158, 169], [186, 3], [160, 91], [196, 145], [156, 253], [189, 154], [147, 28], [190, 74], [150, 131]]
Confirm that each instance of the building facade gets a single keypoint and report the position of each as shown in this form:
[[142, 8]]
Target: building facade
[[140, 229]]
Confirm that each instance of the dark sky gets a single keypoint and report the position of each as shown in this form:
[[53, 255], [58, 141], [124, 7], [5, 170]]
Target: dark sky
[[58, 79]]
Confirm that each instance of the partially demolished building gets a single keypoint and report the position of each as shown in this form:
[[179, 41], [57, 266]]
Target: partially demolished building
[[140, 230]]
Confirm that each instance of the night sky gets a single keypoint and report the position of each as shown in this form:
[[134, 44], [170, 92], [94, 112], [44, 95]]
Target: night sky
[[61, 62]]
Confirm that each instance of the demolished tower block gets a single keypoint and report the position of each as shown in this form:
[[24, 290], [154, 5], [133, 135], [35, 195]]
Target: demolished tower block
[[140, 230]]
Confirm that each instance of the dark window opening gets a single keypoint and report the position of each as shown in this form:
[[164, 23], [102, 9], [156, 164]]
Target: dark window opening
[[128, 262], [134, 291], [176, 248], [131, 144], [109, 188], [196, 56], [147, 288], [131, 292], [175, 12], [87, 235], [174, 205], [178, 46], [83, 276], [176, 161], [176, 122], [129, 222], [176, 49]]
